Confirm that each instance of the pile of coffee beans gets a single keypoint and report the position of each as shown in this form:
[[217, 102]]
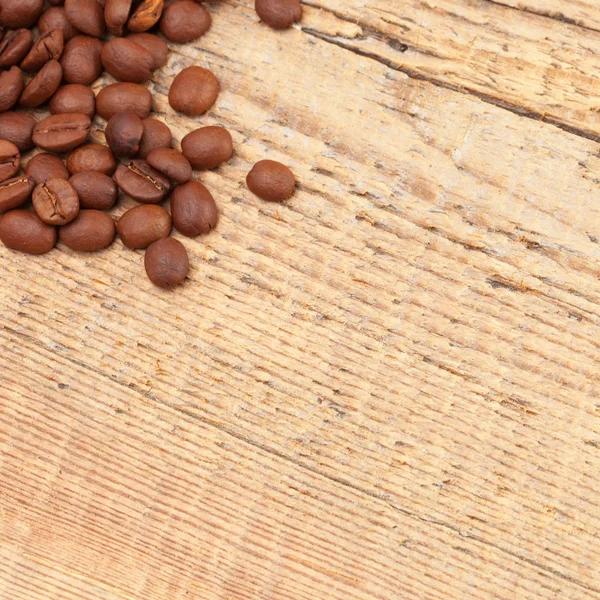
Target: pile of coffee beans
[[51, 55]]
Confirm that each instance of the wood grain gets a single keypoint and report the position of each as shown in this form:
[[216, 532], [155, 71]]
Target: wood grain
[[579, 12], [385, 388]]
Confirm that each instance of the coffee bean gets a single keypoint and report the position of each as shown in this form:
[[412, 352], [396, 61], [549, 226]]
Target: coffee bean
[[10, 160], [278, 14], [141, 182], [123, 97], [18, 129], [167, 263], [42, 86], [92, 230], [146, 15], [207, 147], [272, 181], [49, 46], [92, 157], [156, 135], [156, 46], [55, 201], [95, 190], [193, 209], [15, 192], [14, 47], [59, 133], [123, 133], [81, 61], [73, 98], [144, 224], [86, 15], [17, 14], [56, 18], [11, 86], [184, 21], [24, 231], [171, 163], [127, 61], [116, 14], [193, 91], [44, 166]]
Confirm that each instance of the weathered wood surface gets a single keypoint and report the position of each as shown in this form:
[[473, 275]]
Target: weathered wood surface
[[386, 388]]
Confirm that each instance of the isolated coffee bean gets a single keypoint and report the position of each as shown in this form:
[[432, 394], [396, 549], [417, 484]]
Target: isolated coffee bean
[[56, 18], [17, 128], [10, 160], [127, 61], [146, 15], [15, 192], [157, 48], [55, 201], [144, 224], [141, 182], [92, 230], [42, 86], [207, 147], [95, 190], [193, 91], [14, 47], [272, 181], [92, 157], [11, 86], [123, 97], [59, 133], [49, 46], [17, 14], [171, 163], [123, 133], [116, 14], [279, 14], [156, 135], [184, 21], [193, 209], [73, 98], [24, 231], [45, 166], [86, 15], [167, 263], [81, 60]]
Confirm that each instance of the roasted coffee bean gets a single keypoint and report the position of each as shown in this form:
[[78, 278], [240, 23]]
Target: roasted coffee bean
[[272, 181], [15, 192], [127, 61], [156, 135], [184, 21], [207, 147], [167, 263], [17, 14], [56, 18], [141, 182], [73, 98], [49, 46], [11, 86], [92, 230], [144, 224], [123, 97], [156, 46], [193, 91], [92, 157], [81, 61], [10, 160], [86, 15], [45, 166], [279, 14], [42, 86], [23, 230], [14, 47], [116, 14], [193, 209], [146, 15], [171, 163], [123, 133], [95, 190], [59, 133], [17, 128], [55, 201]]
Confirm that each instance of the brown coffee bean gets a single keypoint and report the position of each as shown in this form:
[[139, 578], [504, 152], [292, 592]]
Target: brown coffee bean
[[73, 98], [146, 15], [17, 14], [171, 163], [184, 21], [272, 181], [193, 209], [156, 135], [49, 46], [127, 61], [144, 224], [10, 160], [193, 91], [42, 86], [123, 133], [167, 263], [86, 15], [116, 14], [56, 18], [155, 45], [17, 128], [24, 231], [81, 61], [11, 86], [123, 97], [278, 14], [92, 230], [59, 133], [141, 182], [55, 201], [45, 166], [14, 47], [207, 147], [15, 192], [95, 190], [92, 157]]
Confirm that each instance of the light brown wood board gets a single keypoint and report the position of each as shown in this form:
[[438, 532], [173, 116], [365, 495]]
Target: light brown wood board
[[385, 388]]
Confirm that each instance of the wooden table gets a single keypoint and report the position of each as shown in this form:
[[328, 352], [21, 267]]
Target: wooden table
[[386, 388]]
